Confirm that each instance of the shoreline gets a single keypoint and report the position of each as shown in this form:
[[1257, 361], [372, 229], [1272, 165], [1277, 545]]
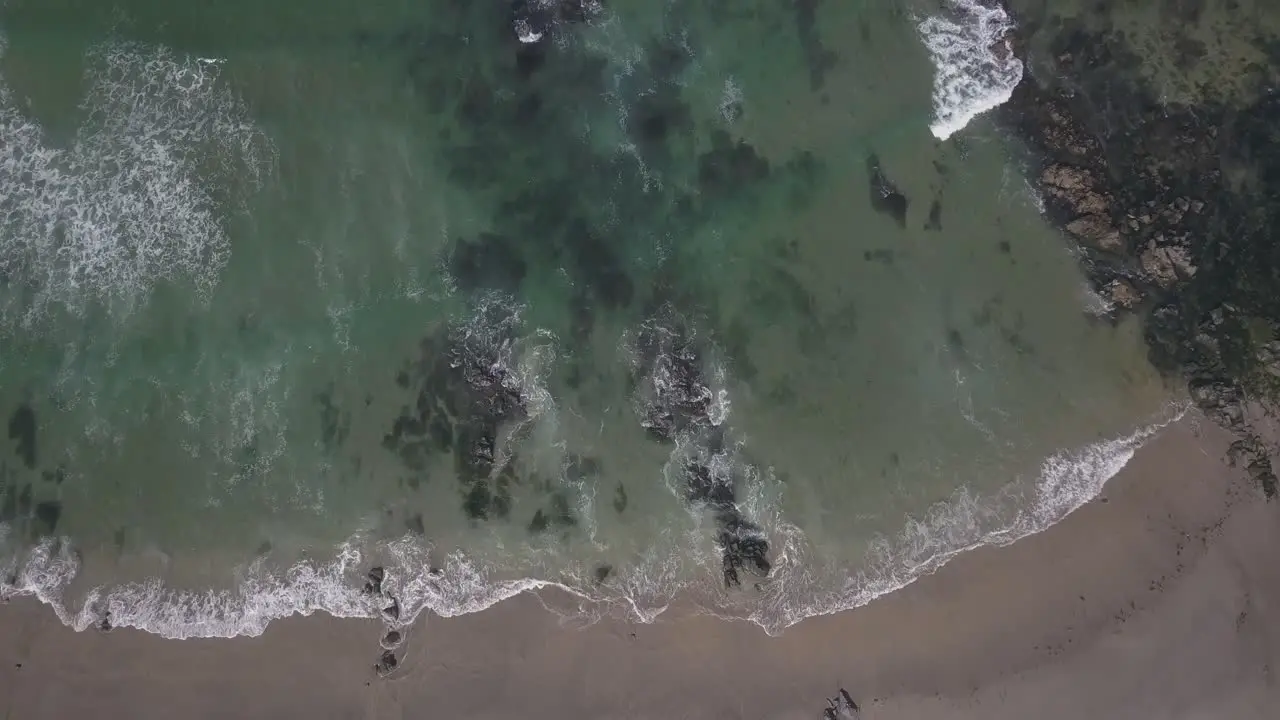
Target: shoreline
[[960, 524], [1057, 619]]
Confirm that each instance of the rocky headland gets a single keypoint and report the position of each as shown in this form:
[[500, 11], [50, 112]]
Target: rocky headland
[[1174, 202]]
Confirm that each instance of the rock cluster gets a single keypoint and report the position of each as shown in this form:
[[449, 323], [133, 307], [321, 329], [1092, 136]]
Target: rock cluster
[[676, 405], [1140, 185]]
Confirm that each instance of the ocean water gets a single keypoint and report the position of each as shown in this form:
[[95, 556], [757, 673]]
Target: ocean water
[[746, 306]]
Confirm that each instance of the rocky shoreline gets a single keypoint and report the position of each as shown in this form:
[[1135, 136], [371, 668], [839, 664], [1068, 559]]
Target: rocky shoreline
[[1174, 208]]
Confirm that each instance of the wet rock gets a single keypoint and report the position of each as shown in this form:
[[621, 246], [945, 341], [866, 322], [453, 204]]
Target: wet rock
[[743, 547], [1122, 293], [391, 640], [1096, 231], [373, 581], [22, 430], [391, 613], [387, 664], [1166, 265], [1074, 187], [841, 707], [675, 401], [886, 198], [674, 395], [539, 523], [602, 573]]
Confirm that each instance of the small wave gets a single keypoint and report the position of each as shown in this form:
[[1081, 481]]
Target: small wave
[[1067, 480], [975, 69]]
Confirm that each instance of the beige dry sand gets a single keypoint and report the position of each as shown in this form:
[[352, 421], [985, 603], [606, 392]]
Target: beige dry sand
[[1163, 601]]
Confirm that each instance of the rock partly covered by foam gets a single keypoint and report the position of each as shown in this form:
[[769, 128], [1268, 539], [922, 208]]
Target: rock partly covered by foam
[[676, 404]]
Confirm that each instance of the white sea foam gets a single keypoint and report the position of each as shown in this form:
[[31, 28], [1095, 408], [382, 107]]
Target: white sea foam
[[975, 69], [802, 585], [137, 196]]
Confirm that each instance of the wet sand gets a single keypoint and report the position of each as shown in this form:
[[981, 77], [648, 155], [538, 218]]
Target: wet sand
[[1160, 600]]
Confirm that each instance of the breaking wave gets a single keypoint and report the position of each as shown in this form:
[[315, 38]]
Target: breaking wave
[[418, 580], [137, 195], [975, 69]]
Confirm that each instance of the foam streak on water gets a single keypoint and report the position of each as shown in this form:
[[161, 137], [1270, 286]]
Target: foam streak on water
[[455, 585], [974, 66], [131, 201]]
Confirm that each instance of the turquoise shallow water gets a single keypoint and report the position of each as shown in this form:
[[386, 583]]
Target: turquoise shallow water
[[676, 300]]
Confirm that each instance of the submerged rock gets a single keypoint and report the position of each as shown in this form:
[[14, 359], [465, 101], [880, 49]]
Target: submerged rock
[[22, 430], [886, 198]]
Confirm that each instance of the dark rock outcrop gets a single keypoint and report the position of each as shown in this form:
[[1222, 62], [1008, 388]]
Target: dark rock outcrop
[[674, 397], [1174, 206]]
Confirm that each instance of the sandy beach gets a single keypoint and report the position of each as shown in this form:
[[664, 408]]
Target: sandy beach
[[1160, 599]]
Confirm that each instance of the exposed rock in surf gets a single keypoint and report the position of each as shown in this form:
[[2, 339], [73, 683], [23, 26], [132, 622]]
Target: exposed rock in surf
[[387, 663], [672, 391], [886, 198], [373, 581], [391, 613], [675, 401], [391, 640], [841, 707], [1074, 196], [1122, 293], [1156, 192], [532, 20], [22, 430]]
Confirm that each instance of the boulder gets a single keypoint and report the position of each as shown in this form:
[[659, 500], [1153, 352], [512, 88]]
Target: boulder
[[1096, 231]]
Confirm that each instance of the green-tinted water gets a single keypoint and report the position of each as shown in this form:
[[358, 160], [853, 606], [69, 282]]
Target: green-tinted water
[[279, 276]]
